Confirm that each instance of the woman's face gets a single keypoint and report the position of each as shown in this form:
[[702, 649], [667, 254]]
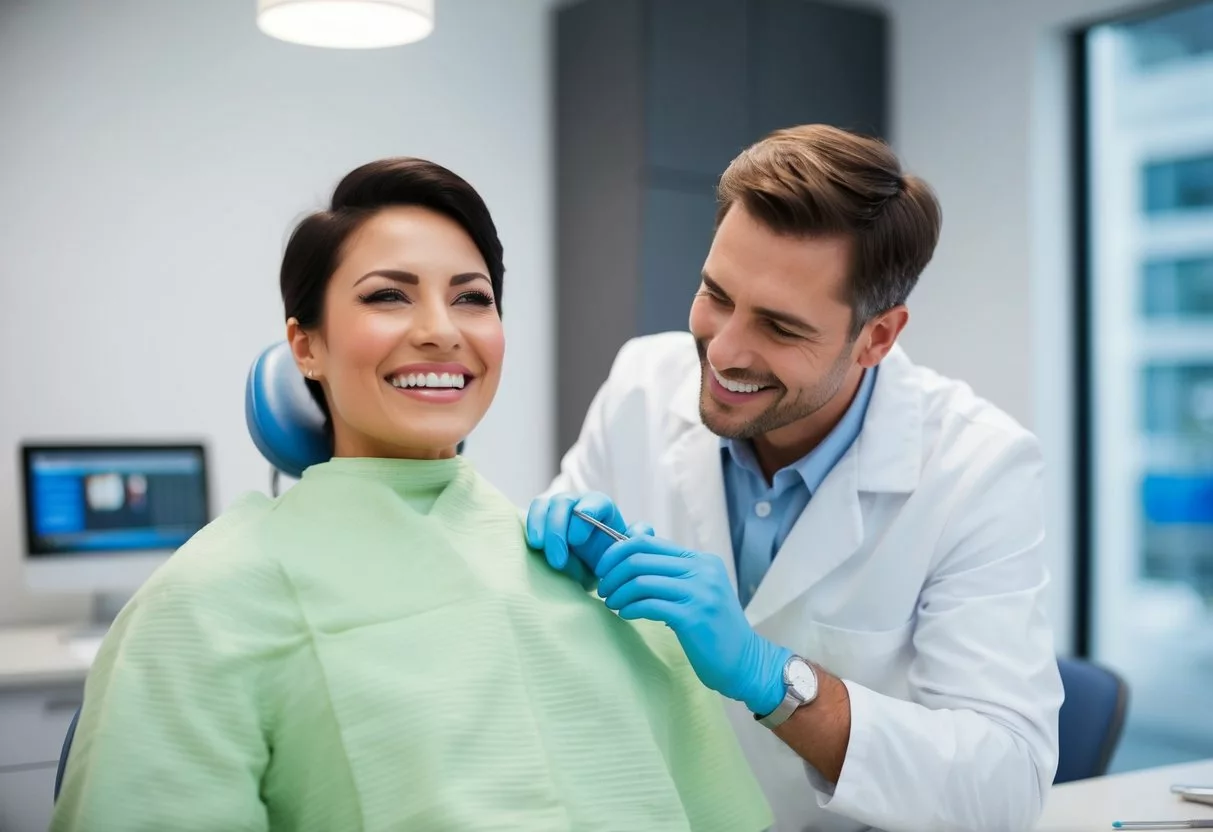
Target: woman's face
[[410, 347]]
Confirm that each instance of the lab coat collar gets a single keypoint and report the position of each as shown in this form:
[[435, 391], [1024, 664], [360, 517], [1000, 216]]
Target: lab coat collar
[[886, 457], [889, 447]]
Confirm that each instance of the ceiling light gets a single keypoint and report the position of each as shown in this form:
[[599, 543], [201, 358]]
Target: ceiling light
[[346, 24]]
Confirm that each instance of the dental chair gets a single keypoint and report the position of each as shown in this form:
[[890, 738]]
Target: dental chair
[[283, 419], [287, 427]]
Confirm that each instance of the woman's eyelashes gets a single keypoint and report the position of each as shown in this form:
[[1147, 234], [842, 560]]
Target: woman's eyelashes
[[476, 298], [385, 296], [392, 295]]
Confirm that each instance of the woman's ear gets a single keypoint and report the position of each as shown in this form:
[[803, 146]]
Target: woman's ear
[[306, 348]]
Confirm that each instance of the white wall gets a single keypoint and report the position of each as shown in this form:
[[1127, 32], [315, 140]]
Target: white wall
[[981, 111], [153, 156]]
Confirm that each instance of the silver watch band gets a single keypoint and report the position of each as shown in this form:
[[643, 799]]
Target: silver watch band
[[793, 698], [781, 714]]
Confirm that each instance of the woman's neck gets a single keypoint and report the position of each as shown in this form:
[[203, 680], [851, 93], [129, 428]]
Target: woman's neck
[[362, 447]]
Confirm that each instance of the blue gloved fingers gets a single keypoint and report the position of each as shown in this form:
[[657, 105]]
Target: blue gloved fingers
[[556, 530], [581, 573], [643, 563], [649, 587], [536, 522], [601, 508], [585, 541], [639, 530], [624, 549], [667, 612]]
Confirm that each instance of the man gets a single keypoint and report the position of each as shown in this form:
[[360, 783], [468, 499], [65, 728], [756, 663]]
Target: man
[[851, 548]]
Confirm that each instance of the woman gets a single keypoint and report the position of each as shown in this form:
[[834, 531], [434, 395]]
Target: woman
[[377, 649]]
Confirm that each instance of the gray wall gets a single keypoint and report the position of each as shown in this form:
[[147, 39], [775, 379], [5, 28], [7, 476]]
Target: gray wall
[[653, 99]]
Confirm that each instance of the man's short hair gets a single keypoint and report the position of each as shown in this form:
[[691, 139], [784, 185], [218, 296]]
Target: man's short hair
[[816, 180]]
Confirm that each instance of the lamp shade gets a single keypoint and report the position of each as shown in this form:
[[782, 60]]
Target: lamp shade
[[346, 24]]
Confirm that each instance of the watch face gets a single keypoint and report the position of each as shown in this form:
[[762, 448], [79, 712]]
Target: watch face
[[802, 679]]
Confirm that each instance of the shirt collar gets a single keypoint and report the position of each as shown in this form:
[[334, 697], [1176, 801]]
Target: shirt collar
[[812, 468]]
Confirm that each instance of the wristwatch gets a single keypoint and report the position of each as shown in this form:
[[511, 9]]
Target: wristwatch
[[800, 689]]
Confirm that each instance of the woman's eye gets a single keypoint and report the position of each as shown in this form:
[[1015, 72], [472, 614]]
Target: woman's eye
[[475, 298], [385, 296]]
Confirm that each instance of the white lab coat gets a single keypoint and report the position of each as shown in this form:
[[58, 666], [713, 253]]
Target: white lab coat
[[914, 574]]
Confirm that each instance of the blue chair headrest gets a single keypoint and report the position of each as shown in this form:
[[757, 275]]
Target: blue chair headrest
[[286, 424]]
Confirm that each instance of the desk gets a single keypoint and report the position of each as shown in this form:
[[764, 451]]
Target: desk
[[31, 656], [1092, 805], [41, 685]]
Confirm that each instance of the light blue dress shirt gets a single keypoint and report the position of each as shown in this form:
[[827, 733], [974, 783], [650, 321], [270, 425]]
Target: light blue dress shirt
[[761, 515]]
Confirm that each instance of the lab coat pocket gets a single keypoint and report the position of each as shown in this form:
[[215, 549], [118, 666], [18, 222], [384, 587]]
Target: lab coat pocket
[[877, 659]]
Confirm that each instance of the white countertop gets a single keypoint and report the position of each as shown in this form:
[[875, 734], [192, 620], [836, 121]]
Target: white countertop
[[1092, 805], [44, 655]]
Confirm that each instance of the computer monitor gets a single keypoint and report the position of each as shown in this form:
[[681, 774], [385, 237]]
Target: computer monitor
[[99, 518]]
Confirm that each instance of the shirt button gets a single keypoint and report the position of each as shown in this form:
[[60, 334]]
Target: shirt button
[[762, 509]]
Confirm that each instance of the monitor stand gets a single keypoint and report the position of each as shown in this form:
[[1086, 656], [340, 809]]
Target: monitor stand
[[84, 641]]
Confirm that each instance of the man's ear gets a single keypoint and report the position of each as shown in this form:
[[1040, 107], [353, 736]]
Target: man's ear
[[307, 349], [880, 334]]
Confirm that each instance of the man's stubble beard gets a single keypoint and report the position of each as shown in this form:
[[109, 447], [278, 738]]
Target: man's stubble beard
[[781, 412]]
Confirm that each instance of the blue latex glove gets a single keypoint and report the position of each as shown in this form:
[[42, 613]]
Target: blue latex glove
[[647, 577], [569, 544]]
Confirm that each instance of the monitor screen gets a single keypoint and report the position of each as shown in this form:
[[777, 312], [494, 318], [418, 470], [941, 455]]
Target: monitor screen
[[96, 499]]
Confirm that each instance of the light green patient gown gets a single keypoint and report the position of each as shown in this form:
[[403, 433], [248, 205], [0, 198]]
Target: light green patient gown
[[377, 649]]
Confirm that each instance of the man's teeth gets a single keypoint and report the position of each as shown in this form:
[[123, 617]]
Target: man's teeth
[[735, 386], [455, 380]]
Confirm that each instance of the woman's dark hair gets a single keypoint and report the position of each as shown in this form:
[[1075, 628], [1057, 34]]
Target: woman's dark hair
[[315, 247]]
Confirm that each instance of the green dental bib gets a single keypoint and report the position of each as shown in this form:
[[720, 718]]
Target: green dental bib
[[379, 650]]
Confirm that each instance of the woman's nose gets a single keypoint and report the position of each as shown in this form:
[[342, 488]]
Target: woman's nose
[[433, 327]]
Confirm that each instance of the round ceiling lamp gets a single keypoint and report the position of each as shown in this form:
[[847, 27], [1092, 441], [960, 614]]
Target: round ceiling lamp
[[346, 24]]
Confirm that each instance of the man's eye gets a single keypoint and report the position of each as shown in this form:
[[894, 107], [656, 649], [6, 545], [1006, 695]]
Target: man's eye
[[780, 331]]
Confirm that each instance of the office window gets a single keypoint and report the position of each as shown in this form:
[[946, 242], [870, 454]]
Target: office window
[[1178, 287], [1146, 431]]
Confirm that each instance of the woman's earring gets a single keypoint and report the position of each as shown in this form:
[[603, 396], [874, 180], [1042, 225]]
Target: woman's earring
[[309, 373]]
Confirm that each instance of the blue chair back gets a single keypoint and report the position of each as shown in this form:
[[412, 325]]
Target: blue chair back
[[1091, 719], [284, 422], [67, 747]]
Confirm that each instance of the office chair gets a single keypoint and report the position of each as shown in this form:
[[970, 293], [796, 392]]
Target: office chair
[[1091, 719]]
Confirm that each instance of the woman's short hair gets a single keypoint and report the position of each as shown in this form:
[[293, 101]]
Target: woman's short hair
[[315, 247]]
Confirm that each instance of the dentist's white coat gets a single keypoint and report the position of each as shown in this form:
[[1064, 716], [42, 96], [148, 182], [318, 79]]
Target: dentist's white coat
[[914, 574]]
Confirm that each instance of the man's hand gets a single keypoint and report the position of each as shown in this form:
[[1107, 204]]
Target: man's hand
[[569, 544], [646, 577]]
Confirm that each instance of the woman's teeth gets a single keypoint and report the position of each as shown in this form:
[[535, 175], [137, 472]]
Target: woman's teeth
[[735, 386], [429, 380]]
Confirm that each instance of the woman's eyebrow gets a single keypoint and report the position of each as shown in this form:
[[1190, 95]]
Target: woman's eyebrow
[[391, 274], [412, 279]]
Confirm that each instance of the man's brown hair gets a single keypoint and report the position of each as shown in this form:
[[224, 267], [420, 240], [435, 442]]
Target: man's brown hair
[[819, 180]]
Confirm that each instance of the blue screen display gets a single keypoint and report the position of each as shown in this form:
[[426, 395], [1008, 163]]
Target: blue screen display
[[104, 500]]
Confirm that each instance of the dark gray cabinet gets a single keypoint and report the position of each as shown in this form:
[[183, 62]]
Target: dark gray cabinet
[[653, 98]]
